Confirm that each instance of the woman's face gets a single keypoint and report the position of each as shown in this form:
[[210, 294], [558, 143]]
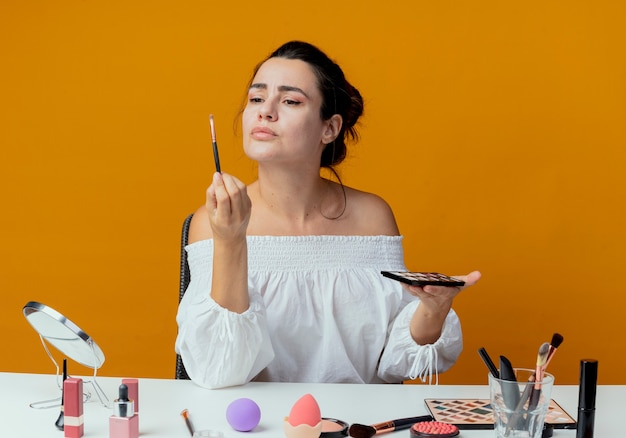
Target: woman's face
[[281, 121]]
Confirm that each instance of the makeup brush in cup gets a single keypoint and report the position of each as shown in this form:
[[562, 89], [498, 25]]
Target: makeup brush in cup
[[529, 391], [555, 343], [542, 362], [364, 431], [490, 365], [532, 392]]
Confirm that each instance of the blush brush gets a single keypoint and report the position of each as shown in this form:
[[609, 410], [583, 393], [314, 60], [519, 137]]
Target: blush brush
[[364, 431], [555, 343], [545, 355]]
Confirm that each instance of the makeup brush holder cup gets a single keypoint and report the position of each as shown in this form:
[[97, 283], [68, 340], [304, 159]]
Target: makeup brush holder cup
[[519, 408]]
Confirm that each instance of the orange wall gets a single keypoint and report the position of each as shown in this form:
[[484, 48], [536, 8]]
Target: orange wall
[[496, 130]]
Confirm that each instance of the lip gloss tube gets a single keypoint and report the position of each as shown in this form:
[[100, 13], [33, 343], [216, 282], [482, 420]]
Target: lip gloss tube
[[73, 426], [123, 423]]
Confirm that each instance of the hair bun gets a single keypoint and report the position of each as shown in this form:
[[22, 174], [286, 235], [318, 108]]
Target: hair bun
[[355, 110]]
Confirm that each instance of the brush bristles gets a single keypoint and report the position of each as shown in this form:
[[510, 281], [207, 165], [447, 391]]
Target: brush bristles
[[542, 355], [212, 123], [361, 431], [557, 340]]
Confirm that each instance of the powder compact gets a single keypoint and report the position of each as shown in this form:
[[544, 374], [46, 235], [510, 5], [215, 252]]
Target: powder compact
[[434, 429], [333, 428]]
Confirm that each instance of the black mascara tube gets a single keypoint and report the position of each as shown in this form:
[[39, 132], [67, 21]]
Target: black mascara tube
[[587, 398]]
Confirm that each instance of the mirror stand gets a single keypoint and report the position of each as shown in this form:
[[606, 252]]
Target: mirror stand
[[56, 402]]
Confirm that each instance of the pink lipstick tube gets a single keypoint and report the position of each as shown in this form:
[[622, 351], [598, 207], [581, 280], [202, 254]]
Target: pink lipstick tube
[[74, 426]]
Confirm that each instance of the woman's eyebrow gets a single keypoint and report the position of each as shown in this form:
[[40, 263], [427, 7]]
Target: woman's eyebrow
[[261, 86], [290, 88]]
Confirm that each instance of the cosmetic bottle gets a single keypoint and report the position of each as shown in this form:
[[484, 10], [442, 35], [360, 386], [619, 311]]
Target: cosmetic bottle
[[123, 423], [73, 422], [133, 393]]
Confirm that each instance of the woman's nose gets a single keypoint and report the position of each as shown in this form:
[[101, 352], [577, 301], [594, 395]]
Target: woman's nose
[[267, 111]]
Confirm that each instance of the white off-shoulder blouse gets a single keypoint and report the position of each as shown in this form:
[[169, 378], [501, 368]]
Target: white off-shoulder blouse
[[320, 311]]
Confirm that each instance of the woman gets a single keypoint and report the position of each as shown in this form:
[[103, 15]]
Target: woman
[[285, 273]]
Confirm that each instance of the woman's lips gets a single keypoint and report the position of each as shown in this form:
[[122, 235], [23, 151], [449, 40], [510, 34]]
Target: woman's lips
[[262, 133]]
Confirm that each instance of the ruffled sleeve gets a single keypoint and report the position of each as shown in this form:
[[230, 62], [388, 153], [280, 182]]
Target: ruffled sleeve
[[404, 358], [219, 348]]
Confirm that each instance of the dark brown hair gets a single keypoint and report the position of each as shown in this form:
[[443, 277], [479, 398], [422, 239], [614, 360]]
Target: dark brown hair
[[338, 95]]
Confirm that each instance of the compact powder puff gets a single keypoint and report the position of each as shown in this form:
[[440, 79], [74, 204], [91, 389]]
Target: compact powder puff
[[333, 428], [434, 429]]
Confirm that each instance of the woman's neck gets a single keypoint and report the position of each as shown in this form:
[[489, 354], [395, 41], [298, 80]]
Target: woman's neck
[[302, 202]]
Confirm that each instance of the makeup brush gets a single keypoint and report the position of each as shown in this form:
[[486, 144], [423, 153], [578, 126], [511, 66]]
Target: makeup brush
[[185, 415], [557, 340], [530, 391], [216, 155], [542, 359], [490, 365], [555, 343], [363, 431]]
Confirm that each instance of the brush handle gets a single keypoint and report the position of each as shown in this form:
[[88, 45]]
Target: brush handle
[[518, 415], [535, 395], [490, 365], [400, 423], [405, 423]]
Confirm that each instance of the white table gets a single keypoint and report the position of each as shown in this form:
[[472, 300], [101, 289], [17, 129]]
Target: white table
[[161, 401]]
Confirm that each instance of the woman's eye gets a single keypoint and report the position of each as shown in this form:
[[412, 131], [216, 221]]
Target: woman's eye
[[292, 102], [255, 100]]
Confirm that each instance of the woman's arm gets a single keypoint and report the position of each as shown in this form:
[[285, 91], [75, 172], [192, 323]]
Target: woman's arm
[[225, 219], [219, 347]]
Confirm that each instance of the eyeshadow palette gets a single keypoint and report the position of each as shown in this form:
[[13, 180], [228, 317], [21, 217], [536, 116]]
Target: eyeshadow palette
[[423, 278], [477, 414]]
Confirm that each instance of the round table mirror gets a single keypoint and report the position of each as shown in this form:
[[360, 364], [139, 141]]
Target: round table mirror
[[69, 339], [66, 336]]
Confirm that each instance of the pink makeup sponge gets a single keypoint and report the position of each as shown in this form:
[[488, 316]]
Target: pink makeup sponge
[[305, 411], [243, 414], [305, 419]]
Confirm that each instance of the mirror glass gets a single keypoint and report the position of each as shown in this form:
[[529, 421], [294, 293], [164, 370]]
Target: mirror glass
[[66, 336]]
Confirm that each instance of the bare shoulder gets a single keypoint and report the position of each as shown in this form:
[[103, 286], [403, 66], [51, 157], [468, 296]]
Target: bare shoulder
[[200, 227], [370, 214]]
